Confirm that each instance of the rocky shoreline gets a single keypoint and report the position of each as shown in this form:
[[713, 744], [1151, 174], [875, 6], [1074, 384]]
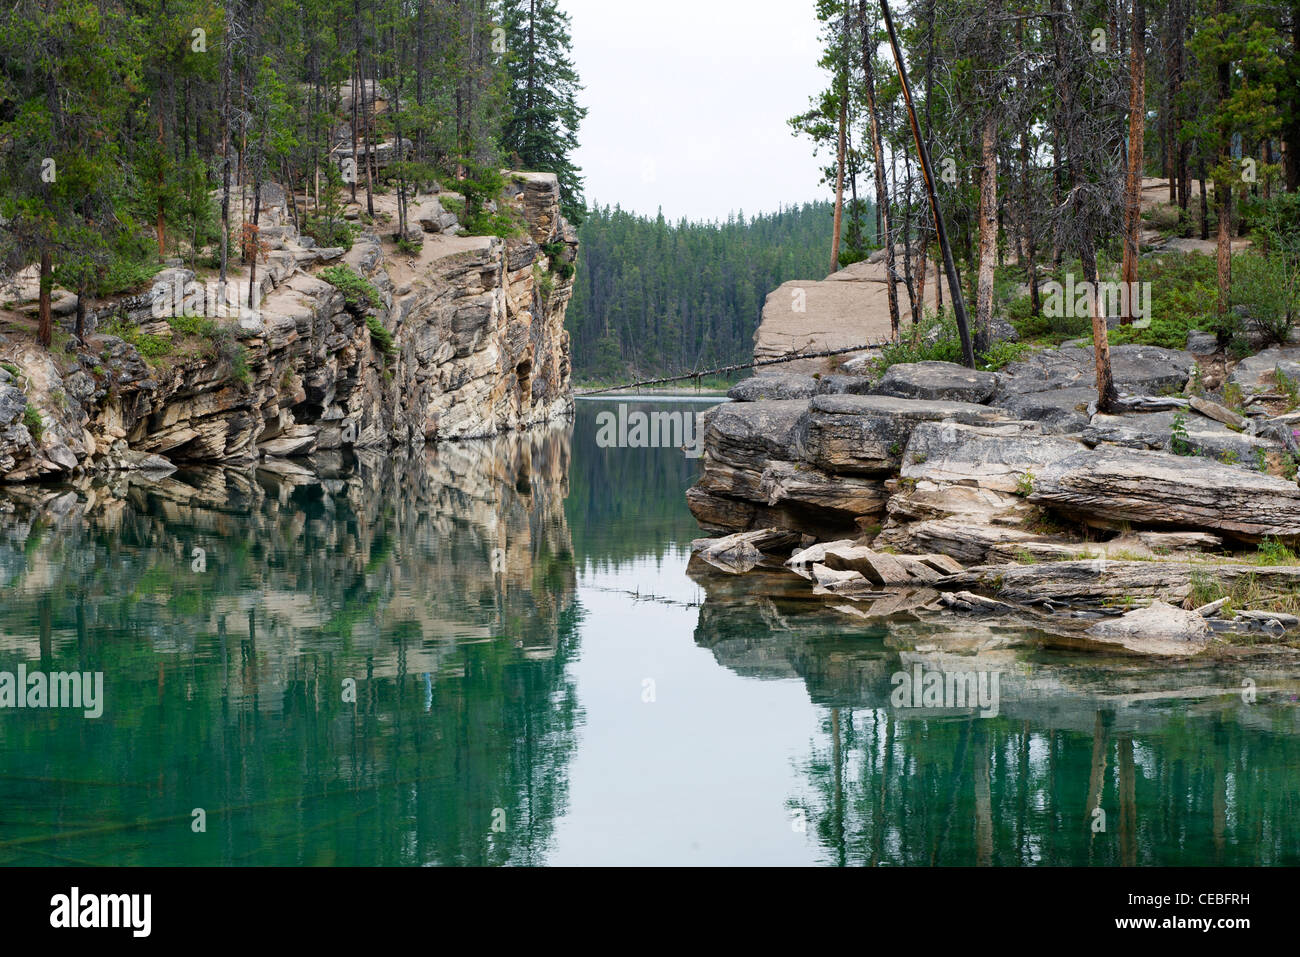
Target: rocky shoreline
[[937, 490], [467, 340]]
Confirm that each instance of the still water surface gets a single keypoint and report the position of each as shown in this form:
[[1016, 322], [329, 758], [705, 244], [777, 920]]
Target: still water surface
[[540, 679]]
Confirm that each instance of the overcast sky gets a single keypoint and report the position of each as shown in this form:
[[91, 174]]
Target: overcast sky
[[688, 100]]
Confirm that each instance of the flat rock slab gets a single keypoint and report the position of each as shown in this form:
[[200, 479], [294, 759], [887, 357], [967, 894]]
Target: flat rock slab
[[1097, 581], [1148, 370], [943, 381], [1158, 629], [995, 457], [867, 433], [880, 567], [1154, 430], [1110, 485], [1257, 373], [780, 385], [1059, 410]]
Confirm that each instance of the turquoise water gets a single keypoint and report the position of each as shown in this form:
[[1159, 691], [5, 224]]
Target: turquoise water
[[495, 653]]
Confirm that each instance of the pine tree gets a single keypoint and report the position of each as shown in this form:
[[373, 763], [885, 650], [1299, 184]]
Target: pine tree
[[544, 115]]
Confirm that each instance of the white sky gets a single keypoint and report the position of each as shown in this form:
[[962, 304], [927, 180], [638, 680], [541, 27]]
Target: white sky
[[688, 100]]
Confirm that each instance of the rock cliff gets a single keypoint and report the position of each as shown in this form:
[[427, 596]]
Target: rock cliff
[[456, 337]]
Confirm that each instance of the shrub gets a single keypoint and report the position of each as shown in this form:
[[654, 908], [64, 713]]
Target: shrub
[[1272, 551], [381, 337], [358, 292], [1268, 287], [199, 326], [1184, 295], [35, 424], [330, 232], [126, 275], [149, 346]]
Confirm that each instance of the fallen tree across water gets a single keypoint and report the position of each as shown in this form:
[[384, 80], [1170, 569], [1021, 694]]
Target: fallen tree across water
[[722, 370]]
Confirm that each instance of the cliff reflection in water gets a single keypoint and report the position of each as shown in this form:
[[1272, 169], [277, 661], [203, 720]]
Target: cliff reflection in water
[[454, 586], [442, 583], [1187, 769]]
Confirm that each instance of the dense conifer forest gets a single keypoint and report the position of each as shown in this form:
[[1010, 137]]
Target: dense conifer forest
[[660, 297]]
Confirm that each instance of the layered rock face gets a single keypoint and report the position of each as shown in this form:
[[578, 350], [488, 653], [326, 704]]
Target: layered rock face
[[980, 466], [895, 487], [468, 340]]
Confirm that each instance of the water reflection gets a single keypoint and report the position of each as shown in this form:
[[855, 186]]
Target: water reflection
[[1113, 761], [439, 658], [360, 666]]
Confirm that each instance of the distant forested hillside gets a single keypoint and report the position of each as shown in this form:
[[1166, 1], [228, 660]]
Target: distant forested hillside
[[654, 297]]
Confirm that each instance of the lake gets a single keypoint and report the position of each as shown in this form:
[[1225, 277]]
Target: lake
[[499, 652]]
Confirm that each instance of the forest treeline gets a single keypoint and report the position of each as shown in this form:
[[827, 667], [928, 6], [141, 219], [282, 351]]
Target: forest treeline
[[653, 296], [1042, 117], [127, 128]]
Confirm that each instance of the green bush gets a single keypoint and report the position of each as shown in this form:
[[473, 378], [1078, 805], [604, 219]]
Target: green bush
[[358, 292], [1184, 296], [1002, 354], [35, 424], [381, 337], [329, 232], [199, 326], [149, 346], [1268, 287], [127, 275], [936, 340]]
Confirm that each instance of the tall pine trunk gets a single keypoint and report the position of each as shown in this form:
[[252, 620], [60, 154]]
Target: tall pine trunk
[[988, 230], [45, 329], [878, 151], [840, 152], [1136, 155]]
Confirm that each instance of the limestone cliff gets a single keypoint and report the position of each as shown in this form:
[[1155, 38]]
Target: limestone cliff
[[467, 340]]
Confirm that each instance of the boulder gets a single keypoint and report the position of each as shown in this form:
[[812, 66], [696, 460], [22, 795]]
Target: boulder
[[1257, 373], [1202, 343], [1109, 486], [748, 434], [1158, 629], [773, 385], [937, 380], [845, 385], [804, 316], [1145, 370], [740, 552], [1212, 410], [879, 567]]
